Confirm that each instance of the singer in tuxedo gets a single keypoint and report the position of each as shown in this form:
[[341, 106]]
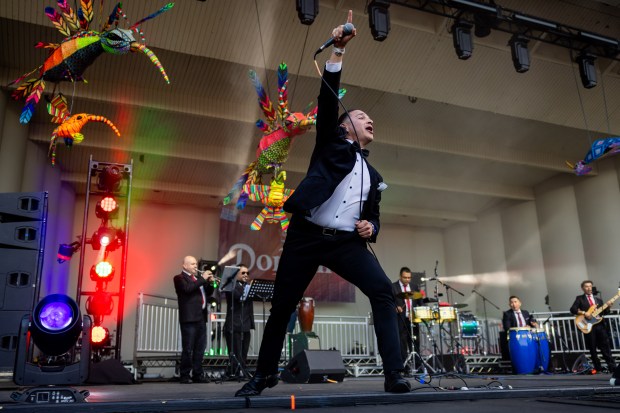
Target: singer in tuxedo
[[516, 317], [598, 337], [407, 330], [239, 322], [192, 290], [335, 213]]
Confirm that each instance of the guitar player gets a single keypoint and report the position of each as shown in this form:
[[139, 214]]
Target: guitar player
[[598, 336]]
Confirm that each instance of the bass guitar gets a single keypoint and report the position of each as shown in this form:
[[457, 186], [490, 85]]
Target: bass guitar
[[584, 324]]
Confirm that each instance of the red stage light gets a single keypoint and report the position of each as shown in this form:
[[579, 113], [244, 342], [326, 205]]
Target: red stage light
[[107, 208], [102, 271], [99, 335], [108, 204]]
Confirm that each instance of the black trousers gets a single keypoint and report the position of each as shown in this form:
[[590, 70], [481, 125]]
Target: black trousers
[[598, 338], [305, 249], [239, 343], [193, 343]]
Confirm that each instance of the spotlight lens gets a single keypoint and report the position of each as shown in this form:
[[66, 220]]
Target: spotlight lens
[[108, 204], [98, 334], [104, 240], [56, 316], [103, 269]]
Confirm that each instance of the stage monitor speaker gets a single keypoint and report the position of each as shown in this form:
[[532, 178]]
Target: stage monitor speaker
[[18, 278], [314, 366], [22, 206], [9, 334]]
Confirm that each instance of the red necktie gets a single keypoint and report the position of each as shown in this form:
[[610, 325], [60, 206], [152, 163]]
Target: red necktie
[[408, 301], [520, 318], [591, 300], [201, 290]]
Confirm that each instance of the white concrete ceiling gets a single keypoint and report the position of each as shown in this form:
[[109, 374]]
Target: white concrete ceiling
[[452, 138]]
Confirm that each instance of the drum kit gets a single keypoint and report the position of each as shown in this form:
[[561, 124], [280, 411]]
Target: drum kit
[[434, 317]]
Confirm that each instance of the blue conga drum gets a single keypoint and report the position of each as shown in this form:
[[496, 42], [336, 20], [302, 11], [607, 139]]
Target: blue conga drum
[[543, 352], [522, 350]]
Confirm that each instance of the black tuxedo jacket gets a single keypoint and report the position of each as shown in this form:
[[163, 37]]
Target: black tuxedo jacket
[[243, 317], [400, 302], [190, 297], [582, 303], [509, 321], [332, 159]]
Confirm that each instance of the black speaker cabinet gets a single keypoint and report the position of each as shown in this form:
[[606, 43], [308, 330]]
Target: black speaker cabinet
[[314, 366]]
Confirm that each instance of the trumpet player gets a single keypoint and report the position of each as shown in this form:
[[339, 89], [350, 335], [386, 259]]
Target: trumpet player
[[192, 288]]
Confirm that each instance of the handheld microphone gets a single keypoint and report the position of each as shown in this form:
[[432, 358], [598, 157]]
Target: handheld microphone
[[347, 29]]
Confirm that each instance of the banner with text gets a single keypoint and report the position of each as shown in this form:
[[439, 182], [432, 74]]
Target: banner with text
[[260, 251]]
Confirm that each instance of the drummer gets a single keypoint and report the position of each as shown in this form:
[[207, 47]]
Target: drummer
[[515, 317], [404, 306]]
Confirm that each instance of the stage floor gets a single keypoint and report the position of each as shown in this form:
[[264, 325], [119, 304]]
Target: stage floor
[[474, 393]]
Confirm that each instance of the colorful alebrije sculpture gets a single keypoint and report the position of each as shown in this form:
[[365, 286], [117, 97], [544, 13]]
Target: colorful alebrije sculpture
[[279, 130], [273, 197], [600, 149], [69, 59], [70, 126]]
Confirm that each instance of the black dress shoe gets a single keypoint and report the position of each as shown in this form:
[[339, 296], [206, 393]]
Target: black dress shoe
[[395, 383], [256, 385], [185, 380], [201, 379]]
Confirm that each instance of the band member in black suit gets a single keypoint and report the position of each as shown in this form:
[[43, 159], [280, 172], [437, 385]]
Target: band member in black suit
[[598, 336], [515, 317], [335, 213], [407, 330], [239, 321], [192, 288]]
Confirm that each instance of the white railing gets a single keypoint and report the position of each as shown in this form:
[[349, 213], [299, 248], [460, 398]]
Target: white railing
[[564, 336], [158, 335]]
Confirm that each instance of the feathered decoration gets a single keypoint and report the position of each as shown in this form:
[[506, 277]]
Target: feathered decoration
[[600, 149], [70, 126], [57, 21], [69, 58], [278, 132], [273, 197]]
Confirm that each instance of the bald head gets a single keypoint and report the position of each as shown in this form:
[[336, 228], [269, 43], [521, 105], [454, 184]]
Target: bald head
[[190, 265]]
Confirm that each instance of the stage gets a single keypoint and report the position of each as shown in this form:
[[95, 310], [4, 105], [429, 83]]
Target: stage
[[490, 392]]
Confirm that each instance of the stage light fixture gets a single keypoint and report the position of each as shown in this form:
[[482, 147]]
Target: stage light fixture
[[379, 19], [107, 208], [307, 10], [99, 336], [102, 271], [483, 24], [461, 37], [587, 70], [99, 305], [66, 251], [56, 324], [110, 179], [107, 237], [520, 53]]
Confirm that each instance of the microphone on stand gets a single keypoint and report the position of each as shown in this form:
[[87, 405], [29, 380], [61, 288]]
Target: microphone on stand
[[428, 279], [347, 29]]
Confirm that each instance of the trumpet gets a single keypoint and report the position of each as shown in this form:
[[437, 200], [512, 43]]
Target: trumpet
[[216, 280]]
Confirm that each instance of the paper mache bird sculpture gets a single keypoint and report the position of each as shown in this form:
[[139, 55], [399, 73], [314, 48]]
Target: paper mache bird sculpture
[[273, 197], [279, 129], [70, 126], [80, 48], [600, 149]]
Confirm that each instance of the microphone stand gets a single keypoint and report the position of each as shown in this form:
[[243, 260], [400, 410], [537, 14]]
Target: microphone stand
[[450, 331], [486, 319]]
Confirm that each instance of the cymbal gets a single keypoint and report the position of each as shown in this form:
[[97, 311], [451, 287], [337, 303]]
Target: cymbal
[[408, 295], [460, 305]]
